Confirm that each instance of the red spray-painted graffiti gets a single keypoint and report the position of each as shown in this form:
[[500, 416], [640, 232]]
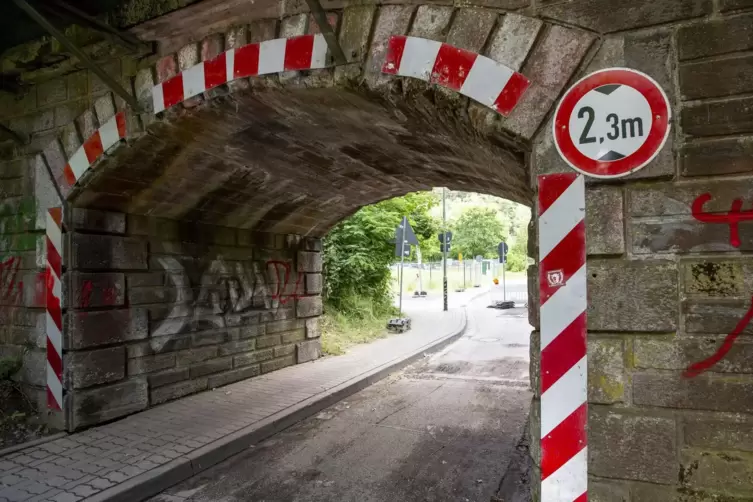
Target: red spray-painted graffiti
[[86, 294], [282, 270], [696, 369], [11, 290], [732, 218]]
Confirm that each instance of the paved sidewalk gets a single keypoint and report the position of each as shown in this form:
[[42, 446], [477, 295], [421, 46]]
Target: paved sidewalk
[[143, 454]]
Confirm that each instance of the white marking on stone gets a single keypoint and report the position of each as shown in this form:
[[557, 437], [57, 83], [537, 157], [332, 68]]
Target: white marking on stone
[[79, 162], [109, 134], [319, 52], [272, 56], [230, 65], [158, 98], [485, 81], [193, 81], [418, 58], [564, 397]]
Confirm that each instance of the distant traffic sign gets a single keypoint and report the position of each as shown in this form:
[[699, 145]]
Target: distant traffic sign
[[612, 123], [502, 251]]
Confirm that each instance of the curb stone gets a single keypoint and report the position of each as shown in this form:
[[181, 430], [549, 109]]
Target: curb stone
[[157, 480]]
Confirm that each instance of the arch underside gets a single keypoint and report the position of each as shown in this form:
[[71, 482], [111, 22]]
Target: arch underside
[[300, 160]]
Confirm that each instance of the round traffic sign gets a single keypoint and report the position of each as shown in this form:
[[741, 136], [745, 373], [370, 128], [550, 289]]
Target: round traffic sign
[[612, 123]]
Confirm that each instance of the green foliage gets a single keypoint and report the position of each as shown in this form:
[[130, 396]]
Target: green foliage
[[9, 366], [356, 320], [359, 250], [478, 231], [517, 256]]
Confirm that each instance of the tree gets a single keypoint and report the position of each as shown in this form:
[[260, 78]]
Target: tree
[[478, 231]]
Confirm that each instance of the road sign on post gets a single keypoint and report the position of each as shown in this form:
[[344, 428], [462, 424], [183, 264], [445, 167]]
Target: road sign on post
[[612, 123], [502, 251]]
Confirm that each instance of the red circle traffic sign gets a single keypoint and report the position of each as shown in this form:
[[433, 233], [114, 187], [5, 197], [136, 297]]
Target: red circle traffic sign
[[612, 123]]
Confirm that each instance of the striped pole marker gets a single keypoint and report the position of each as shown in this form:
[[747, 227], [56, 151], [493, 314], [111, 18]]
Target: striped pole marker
[[482, 79], [563, 301], [54, 246], [98, 143]]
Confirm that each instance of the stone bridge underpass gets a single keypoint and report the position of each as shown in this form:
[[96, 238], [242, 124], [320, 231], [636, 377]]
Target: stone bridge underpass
[[191, 227]]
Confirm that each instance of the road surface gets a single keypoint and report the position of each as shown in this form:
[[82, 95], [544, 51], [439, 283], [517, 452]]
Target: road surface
[[444, 429]]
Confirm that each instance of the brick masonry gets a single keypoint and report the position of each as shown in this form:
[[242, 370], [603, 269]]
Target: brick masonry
[[305, 149]]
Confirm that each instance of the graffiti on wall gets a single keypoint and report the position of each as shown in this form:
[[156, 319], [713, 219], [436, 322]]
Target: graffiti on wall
[[205, 299], [733, 217], [697, 368], [11, 288]]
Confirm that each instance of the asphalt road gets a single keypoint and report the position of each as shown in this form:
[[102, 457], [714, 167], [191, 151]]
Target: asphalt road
[[444, 429]]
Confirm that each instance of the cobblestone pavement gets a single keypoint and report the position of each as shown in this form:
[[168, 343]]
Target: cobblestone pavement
[[97, 462]]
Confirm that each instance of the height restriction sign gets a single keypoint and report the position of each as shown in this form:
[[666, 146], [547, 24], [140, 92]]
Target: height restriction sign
[[612, 123]]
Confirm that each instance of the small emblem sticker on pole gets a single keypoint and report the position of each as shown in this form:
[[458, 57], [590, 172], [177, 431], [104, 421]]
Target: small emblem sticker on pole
[[555, 278], [612, 123]]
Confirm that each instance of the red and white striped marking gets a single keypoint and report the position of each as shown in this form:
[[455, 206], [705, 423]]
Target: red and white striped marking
[[306, 52], [54, 246], [482, 79], [563, 302], [103, 138]]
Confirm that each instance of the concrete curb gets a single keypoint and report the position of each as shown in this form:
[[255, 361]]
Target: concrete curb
[[157, 480], [29, 444]]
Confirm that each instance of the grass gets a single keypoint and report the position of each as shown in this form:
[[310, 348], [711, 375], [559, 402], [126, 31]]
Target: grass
[[358, 323], [433, 281]]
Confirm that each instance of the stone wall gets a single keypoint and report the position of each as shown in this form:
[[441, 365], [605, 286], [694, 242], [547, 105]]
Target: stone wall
[[665, 289], [160, 309]]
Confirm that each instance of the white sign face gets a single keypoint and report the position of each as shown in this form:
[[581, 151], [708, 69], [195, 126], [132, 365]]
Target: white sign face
[[610, 122]]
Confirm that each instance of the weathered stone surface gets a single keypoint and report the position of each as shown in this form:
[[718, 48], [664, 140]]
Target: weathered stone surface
[[717, 78], [314, 283], [686, 236], [719, 434], [159, 345], [470, 28], [96, 290], [549, 67], [212, 366], [252, 357], [354, 38], [145, 279], [151, 364], [700, 393], [632, 296], [267, 341], [294, 336], [727, 5], [605, 232], [197, 355], [431, 21], [716, 278], [709, 158], [309, 350], [313, 330], [98, 221], [209, 338], [233, 376], [606, 374], [309, 306], [284, 325], [607, 492], [106, 403], [174, 391], [512, 41], [731, 472], [715, 36], [614, 15], [91, 329], [715, 118], [673, 354], [284, 350], [99, 252], [626, 446], [648, 492], [277, 364], [714, 318], [309, 261], [167, 377], [236, 347]]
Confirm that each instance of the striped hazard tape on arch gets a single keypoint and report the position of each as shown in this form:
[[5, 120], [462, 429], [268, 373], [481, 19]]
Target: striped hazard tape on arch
[[563, 302], [482, 79]]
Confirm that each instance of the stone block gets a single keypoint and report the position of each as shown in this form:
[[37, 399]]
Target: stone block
[[718, 434], [731, 472], [308, 350], [236, 347], [167, 377], [700, 393], [470, 28], [624, 446], [715, 36], [615, 15], [89, 290], [176, 390], [713, 279], [145, 279], [92, 329], [714, 318], [151, 364], [720, 157], [313, 329], [52, 91], [677, 354], [252, 357], [648, 492], [33, 371], [605, 232], [431, 21], [512, 41], [717, 78], [98, 221], [233, 376], [606, 374], [277, 364], [314, 284], [197, 355], [354, 38], [607, 491], [309, 261], [632, 296], [548, 67], [98, 252], [727, 5], [93, 367], [251, 331], [209, 338], [284, 350], [102, 404], [309, 306], [284, 325], [212, 366], [293, 336], [718, 117], [263, 342], [315, 243]]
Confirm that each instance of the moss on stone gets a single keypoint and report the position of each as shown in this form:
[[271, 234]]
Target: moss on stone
[[134, 12]]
